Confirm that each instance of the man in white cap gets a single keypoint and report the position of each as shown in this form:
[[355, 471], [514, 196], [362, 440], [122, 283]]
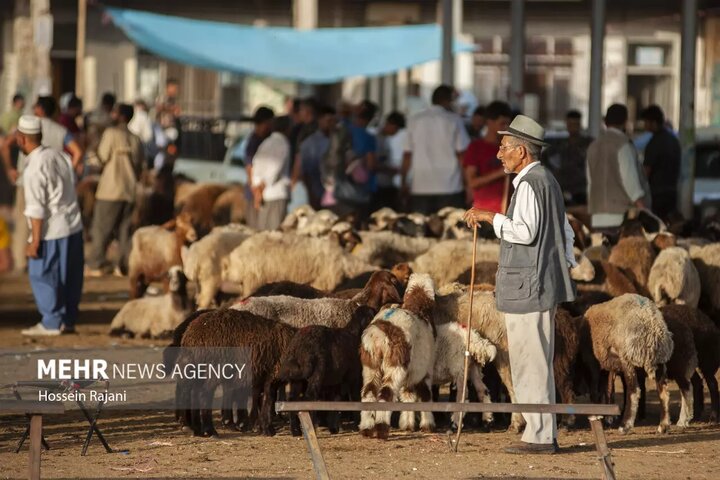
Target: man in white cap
[[536, 253], [55, 248]]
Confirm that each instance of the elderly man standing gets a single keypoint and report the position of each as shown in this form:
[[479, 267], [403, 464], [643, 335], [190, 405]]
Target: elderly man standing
[[533, 275], [55, 249]]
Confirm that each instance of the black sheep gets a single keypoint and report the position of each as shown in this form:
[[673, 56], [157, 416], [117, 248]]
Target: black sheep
[[322, 362]]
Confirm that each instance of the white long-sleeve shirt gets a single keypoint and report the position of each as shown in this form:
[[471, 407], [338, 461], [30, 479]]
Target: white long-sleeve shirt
[[523, 227], [49, 189], [271, 165], [627, 165]]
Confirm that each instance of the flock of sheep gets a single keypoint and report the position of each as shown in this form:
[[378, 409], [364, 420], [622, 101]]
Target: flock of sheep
[[336, 312]]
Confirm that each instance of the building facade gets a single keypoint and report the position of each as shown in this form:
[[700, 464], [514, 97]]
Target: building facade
[[641, 64]]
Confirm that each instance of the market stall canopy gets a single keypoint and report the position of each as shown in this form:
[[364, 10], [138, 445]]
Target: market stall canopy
[[324, 55]]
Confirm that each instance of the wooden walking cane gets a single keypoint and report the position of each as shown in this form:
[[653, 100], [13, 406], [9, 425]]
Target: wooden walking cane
[[467, 336]]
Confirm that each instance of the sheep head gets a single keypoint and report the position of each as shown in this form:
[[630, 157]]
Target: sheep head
[[420, 295], [664, 240], [297, 219], [382, 219], [178, 285], [382, 289], [185, 229], [343, 234], [584, 271], [402, 272]]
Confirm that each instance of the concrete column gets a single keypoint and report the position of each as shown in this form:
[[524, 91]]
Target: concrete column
[[597, 42], [517, 52], [687, 105], [305, 17], [448, 67], [80, 49], [305, 14]]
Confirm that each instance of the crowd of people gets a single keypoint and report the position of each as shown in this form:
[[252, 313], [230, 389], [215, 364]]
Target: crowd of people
[[350, 159]]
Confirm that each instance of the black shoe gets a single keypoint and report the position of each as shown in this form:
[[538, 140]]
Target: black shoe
[[64, 330], [524, 448]]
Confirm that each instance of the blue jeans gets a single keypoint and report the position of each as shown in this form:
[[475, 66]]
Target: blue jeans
[[56, 278]]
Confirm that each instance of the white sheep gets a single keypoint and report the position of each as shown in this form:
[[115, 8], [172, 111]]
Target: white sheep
[[202, 262], [453, 305], [156, 248], [386, 249], [155, 316], [674, 279], [707, 262], [629, 332], [275, 256], [304, 220], [397, 354], [447, 260], [450, 360], [380, 290]]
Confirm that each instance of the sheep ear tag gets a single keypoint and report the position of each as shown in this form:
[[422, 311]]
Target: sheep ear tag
[[356, 249]]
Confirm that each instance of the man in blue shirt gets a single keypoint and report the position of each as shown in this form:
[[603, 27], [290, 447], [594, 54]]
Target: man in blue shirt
[[312, 151], [361, 161]]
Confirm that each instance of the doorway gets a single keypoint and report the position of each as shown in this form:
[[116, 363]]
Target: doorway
[[646, 90]]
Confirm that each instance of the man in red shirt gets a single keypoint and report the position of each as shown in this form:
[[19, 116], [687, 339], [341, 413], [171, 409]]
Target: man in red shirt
[[484, 173]]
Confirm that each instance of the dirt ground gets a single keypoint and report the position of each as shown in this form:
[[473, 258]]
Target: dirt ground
[[150, 446]]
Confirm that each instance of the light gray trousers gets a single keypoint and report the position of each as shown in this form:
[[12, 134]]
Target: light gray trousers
[[531, 345]]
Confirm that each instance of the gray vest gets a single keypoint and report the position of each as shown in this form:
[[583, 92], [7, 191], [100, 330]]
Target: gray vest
[[536, 277]]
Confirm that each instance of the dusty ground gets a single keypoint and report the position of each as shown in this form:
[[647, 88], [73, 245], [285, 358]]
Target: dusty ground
[[155, 449]]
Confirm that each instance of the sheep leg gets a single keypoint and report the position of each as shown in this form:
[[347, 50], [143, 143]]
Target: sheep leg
[[183, 413], [313, 391], [632, 397], [269, 393], [476, 377], [138, 285], [564, 388], [206, 398], [256, 401], [296, 389], [369, 393], [427, 420], [407, 419], [712, 385], [664, 395], [207, 290], [609, 393], [195, 421], [502, 364], [643, 393], [392, 382], [333, 418], [698, 394], [686, 408], [227, 417]]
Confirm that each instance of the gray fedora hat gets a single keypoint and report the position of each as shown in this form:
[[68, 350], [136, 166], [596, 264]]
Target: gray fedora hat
[[527, 129]]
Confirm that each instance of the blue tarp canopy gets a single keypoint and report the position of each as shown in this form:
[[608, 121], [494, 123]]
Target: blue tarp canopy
[[313, 56]]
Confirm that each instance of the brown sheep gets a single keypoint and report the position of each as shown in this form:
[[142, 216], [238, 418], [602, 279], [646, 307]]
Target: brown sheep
[[266, 341], [199, 206], [683, 361], [154, 250], [706, 336], [230, 206], [635, 257]]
